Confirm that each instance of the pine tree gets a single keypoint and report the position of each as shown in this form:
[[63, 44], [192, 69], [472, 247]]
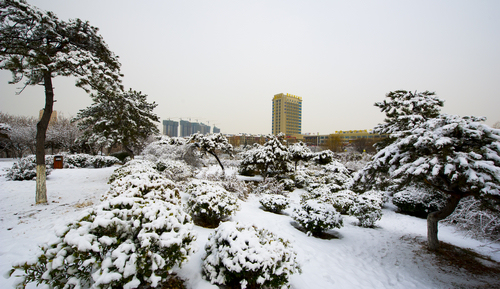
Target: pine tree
[[36, 46], [452, 155], [126, 119]]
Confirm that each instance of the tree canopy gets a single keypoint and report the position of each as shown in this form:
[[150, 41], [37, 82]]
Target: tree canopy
[[126, 119], [457, 156], [36, 46]]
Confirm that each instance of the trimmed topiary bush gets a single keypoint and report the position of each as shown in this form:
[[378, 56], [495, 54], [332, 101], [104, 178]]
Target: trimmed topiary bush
[[209, 203], [274, 203], [317, 217], [342, 201], [367, 210], [418, 202], [241, 256]]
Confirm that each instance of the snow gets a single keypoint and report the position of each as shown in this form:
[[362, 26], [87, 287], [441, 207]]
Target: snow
[[387, 256]]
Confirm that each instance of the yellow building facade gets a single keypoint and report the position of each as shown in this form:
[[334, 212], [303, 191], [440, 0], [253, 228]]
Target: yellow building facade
[[287, 114]]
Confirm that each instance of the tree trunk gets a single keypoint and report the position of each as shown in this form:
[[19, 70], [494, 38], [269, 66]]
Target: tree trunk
[[434, 217], [41, 131], [217, 158]]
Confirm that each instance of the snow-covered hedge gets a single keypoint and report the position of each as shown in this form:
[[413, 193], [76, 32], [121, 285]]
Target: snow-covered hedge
[[133, 238], [418, 201], [209, 203], [274, 203], [88, 161], [317, 217], [25, 169], [270, 186], [244, 256]]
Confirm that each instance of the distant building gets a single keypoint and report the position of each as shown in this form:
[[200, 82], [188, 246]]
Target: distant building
[[204, 129], [171, 128], [287, 114], [216, 130], [53, 116], [186, 128]]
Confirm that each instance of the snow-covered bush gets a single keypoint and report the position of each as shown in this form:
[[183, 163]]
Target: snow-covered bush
[[174, 169], [418, 201], [342, 201], [367, 210], [274, 203], [337, 176], [245, 256], [209, 203], [269, 186], [272, 158], [133, 238], [476, 220], [323, 157], [101, 161], [131, 168], [317, 217], [302, 178], [24, 169], [288, 184]]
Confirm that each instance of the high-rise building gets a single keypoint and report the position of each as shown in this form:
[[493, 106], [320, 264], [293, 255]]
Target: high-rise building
[[186, 128], [287, 114], [170, 128]]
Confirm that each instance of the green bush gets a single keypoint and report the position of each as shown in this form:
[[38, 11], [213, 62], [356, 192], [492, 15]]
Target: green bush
[[418, 202], [274, 203], [317, 217]]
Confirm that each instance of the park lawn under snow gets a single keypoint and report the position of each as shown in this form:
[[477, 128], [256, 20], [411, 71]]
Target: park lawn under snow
[[388, 256]]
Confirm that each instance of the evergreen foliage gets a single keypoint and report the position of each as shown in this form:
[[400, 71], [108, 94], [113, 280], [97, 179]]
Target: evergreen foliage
[[209, 203], [274, 203], [242, 256], [116, 118], [317, 217], [133, 238]]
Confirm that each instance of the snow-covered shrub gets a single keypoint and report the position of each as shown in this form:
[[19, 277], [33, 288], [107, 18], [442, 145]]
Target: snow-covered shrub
[[272, 158], [274, 203], [288, 184], [174, 169], [317, 217], [302, 178], [337, 176], [418, 201], [323, 157], [131, 168], [367, 210], [475, 219], [245, 256], [342, 201], [24, 169], [209, 203], [76, 160], [316, 191], [131, 239], [101, 161], [269, 186]]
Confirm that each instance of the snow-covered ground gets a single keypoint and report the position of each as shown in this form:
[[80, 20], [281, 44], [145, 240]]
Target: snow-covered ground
[[389, 256]]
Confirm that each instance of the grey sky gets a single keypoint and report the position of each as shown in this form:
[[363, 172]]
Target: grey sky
[[222, 61]]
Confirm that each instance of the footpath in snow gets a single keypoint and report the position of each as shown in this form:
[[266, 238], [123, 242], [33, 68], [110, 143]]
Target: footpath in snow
[[388, 256]]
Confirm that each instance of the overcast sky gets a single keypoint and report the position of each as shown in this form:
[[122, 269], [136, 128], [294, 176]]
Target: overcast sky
[[222, 61]]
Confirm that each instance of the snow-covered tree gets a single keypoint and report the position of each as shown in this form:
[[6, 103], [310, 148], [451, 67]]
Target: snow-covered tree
[[457, 156], [211, 144], [37, 46], [404, 110], [125, 119], [299, 152], [272, 157]]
